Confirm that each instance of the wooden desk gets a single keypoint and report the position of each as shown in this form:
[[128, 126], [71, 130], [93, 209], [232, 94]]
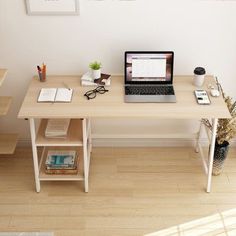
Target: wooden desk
[[111, 105]]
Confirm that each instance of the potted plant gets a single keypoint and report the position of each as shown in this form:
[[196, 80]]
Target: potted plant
[[226, 131], [96, 69]]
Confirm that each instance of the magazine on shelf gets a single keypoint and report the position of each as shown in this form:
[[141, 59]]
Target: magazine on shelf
[[61, 159], [59, 167]]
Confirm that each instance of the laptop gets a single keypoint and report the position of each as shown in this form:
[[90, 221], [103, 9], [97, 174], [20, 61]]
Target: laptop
[[149, 76]]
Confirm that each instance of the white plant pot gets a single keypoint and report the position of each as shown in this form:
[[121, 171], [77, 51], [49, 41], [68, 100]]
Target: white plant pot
[[96, 74]]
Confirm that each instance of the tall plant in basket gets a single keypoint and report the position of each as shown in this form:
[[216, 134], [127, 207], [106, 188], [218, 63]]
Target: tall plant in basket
[[226, 131]]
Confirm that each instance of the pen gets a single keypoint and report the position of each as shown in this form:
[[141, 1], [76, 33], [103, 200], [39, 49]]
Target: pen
[[38, 67], [40, 73], [43, 68], [43, 72], [66, 86]]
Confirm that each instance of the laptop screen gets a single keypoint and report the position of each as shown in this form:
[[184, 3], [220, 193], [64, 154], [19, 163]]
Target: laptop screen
[[149, 67]]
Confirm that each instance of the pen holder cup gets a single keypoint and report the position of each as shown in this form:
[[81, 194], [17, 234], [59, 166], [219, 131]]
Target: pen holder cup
[[42, 76]]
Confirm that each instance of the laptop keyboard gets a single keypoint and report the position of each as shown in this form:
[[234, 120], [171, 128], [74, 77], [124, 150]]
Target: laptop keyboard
[[149, 90]]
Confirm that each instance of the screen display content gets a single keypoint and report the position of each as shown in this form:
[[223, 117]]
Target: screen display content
[[149, 67]]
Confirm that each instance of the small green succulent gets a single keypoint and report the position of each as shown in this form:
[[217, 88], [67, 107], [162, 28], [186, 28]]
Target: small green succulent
[[95, 65]]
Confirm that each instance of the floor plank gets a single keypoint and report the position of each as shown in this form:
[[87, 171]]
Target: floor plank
[[133, 191]]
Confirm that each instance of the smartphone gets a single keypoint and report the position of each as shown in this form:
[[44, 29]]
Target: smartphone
[[202, 97]]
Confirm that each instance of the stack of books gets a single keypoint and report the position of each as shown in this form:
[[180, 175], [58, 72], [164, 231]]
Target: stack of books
[[61, 162], [57, 128], [87, 80]]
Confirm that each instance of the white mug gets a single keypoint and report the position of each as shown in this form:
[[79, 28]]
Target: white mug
[[199, 76]]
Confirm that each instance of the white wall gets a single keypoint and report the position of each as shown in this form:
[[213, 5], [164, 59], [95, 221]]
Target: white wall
[[201, 33]]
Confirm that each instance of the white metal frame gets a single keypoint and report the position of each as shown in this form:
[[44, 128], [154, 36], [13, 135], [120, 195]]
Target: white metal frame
[[207, 161], [35, 154], [87, 148]]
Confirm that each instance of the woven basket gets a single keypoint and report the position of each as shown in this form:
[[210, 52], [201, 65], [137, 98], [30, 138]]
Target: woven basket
[[220, 154]]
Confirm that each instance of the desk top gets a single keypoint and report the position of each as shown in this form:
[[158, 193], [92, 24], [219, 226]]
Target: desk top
[[112, 104]]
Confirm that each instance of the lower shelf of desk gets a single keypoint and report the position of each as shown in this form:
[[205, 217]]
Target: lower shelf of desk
[[61, 177], [74, 136], [53, 177]]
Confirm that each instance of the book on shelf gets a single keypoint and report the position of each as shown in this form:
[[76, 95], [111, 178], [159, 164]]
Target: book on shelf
[[62, 171], [87, 80], [57, 128], [61, 167], [61, 160], [55, 95]]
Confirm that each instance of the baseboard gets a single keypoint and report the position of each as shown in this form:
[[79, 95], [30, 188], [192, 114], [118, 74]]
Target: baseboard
[[137, 142], [176, 142]]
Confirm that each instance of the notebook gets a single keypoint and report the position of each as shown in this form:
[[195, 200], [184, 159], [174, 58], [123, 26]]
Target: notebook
[[55, 95]]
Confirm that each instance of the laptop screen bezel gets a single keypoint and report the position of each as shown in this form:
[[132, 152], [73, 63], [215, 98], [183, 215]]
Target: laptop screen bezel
[[149, 82]]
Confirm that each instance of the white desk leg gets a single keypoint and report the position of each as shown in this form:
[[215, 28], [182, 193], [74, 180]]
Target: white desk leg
[[90, 135], [198, 138], [85, 151], [211, 154], [35, 154]]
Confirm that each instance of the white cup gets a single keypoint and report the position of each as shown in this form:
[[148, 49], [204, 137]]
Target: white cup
[[198, 80], [199, 76]]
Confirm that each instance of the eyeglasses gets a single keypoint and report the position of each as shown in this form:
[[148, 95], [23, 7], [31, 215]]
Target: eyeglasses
[[92, 93]]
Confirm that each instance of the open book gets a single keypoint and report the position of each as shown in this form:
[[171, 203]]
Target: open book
[[55, 95]]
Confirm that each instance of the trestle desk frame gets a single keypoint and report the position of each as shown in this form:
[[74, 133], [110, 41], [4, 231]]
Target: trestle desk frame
[[112, 105]]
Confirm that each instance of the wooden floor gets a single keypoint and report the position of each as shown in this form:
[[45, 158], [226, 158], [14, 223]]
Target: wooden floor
[[133, 191]]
